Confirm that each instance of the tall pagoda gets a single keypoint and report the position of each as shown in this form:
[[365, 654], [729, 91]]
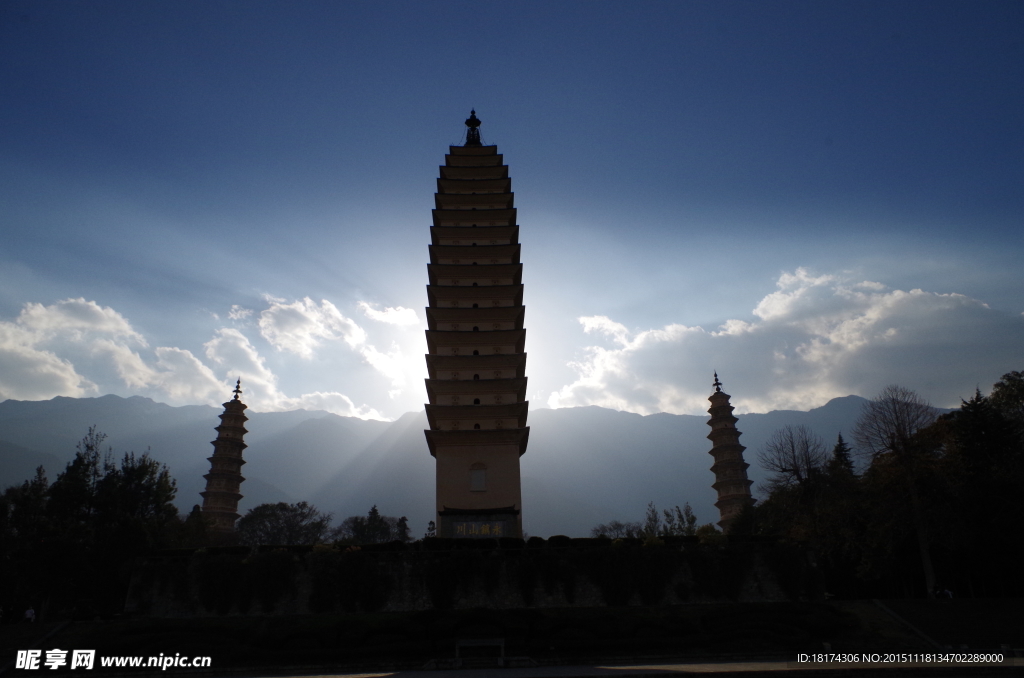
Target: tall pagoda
[[476, 359], [729, 468], [220, 500]]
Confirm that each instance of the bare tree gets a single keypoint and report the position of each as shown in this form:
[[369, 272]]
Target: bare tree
[[792, 454], [886, 432], [890, 420]]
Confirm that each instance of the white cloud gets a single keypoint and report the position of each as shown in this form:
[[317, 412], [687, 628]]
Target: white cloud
[[300, 326], [239, 313], [31, 373], [46, 349], [184, 378], [76, 319], [130, 366], [815, 338], [34, 348], [394, 365], [605, 325], [392, 316], [232, 350]]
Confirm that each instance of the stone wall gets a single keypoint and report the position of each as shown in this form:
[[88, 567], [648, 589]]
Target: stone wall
[[463, 574]]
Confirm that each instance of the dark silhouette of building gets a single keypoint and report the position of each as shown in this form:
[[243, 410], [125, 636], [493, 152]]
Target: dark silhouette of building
[[729, 468], [476, 360], [220, 500]]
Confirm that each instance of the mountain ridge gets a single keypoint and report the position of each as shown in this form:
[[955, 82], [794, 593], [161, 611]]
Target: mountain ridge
[[585, 465]]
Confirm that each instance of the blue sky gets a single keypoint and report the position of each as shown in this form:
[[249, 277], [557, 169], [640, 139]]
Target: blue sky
[[815, 198]]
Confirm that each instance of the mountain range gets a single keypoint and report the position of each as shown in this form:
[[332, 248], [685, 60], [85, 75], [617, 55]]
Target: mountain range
[[584, 466]]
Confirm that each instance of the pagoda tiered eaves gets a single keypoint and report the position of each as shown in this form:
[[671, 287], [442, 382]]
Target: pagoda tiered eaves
[[471, 273], [458, 236], [469, 366], [452, 187], [731, 482], [464, 391], [474, 173], [477, 410], [465, 319], [464, 296], [474, 218], [473, 200], [483, 254], [223, 482]]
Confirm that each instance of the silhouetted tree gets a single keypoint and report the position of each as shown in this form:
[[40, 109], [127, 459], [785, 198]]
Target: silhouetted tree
[[709, 534], [652, 521], [679, 522], [981, 471], [372, 528], [194, 531], [73, 542], [793, 454], [1008, 396], [901, 460], [283, 524], [937, 497], [617, 530], [889, 421], [840, 522], [841, 463]]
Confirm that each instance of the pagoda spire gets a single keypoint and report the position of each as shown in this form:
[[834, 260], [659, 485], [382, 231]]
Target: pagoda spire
[[220, 499], [729, 468], [473, 133]]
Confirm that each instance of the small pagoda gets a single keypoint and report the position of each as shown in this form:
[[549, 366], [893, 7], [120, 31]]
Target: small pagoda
[[476, 359], [220, 500], [729, 468]]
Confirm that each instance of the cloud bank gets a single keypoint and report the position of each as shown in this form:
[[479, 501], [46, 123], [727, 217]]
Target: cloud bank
[[813, 339], [49, 351]]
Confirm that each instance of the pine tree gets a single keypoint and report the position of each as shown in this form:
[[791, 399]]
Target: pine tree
[[841, 463]]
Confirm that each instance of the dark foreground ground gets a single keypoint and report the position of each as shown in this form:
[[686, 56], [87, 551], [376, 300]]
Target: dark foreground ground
[[722, 639]]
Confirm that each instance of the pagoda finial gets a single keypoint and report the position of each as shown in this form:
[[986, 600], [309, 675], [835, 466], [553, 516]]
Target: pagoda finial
[[238, 388], [473, 133], [717, 384]]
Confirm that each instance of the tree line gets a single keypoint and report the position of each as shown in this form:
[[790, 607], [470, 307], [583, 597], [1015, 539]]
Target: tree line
[[674, 522], [921, 504], [67, 547], [302, 523], [70, 544]]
